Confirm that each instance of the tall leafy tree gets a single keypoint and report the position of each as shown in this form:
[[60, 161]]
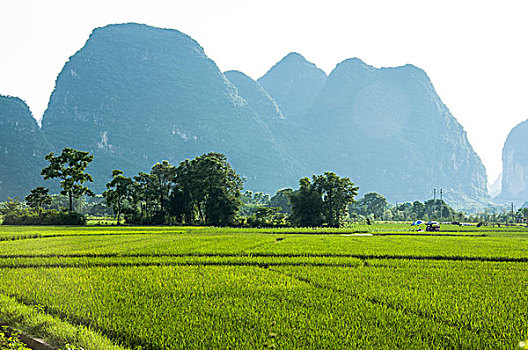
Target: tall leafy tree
[[11, 206], [38, 197], [164, 177], [324, 200], [336, 194], [185, 199], [119, 190], [69, 167], [281, 200], [418, 209], [375, 203], [306, 205], [144, 195], [210, 188], [438, 209]]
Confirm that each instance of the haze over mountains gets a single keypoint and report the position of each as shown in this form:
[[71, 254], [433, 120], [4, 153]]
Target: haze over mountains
[[515, 166], [135, 95], [23, 147]]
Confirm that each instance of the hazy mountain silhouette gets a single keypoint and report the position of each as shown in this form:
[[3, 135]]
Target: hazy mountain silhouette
[[135, 95], [388, 130], [294, 83], [22, 149], [515, 166]]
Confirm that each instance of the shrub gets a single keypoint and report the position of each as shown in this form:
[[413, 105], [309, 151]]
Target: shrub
[[48, 217]]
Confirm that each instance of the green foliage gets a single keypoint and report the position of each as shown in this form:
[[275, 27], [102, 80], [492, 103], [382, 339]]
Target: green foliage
[[208, 190], [145, 197], [258, 198], [11, 341], [164, 175], [324, 200], [375, 205], [69, 167], [38, 198], [11, 207], [204, 190], [45, 217], [306, 205], [267, 217], [251, 202], [281, 200], [336, 194], [119, 189], [371, 203]]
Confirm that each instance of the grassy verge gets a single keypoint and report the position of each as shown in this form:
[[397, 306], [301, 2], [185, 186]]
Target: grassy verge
[[33, 322]]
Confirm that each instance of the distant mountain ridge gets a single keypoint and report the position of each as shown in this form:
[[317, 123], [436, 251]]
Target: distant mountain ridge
[[22, 149], [515, 166], [258, 99], [294, 83], [134, 95], [389, 131]]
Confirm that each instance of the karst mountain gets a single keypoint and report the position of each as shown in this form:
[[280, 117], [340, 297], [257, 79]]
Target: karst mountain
[[135, 95]]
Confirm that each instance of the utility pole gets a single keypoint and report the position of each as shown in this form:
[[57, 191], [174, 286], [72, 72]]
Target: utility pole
[[441, 206], [513, 215], [434, 201]]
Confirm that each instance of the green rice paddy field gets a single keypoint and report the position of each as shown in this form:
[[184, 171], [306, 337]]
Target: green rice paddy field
[[363, 287]]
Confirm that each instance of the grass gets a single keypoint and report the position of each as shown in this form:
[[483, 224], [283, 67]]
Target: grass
[[193, 288], [32, 321]]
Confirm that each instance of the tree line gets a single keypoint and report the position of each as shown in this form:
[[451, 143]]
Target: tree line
[[203, 191], [208, 191]]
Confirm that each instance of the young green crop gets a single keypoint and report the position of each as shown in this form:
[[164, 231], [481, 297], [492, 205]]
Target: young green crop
[[193, 288], [229, 307]]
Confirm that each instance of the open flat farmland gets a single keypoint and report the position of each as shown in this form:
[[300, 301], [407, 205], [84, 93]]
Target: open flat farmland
[[369, 287]]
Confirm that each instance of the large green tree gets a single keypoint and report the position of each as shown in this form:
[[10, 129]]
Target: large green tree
[[11, 206], [144, 196], [281, 200], [164, 180], [119, 190], [374, 203], [38, 198], [208, 189], [69, 167], [438, 209], [306, 205], [324, 200], [337, 193]]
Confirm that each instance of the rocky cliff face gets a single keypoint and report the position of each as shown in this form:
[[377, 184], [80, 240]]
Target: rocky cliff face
[[294, 83], [495, 188], [258, 99], [22, 149], [287, 133], [515, 166], [135, 95], [388, 130]]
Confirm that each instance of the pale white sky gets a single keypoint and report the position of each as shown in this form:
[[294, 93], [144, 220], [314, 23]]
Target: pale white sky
[[475, 52]]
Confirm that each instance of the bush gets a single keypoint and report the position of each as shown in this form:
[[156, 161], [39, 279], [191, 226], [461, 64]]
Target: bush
[[48, 217]]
